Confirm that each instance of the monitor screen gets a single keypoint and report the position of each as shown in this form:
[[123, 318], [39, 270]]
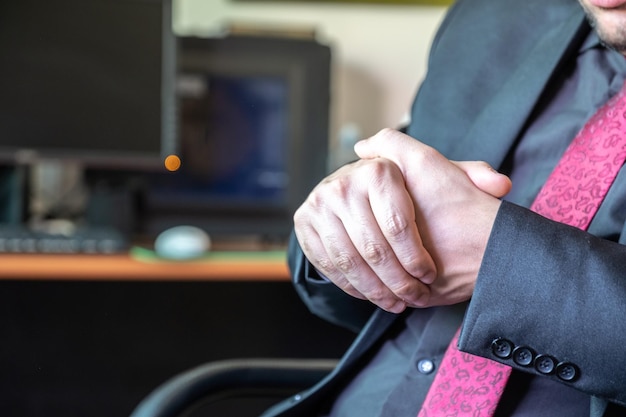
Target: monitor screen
[[91, 80], [254, 120], [234, 141]]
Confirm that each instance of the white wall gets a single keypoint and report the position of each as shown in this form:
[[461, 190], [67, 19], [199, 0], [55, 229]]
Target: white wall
[[379, 51]]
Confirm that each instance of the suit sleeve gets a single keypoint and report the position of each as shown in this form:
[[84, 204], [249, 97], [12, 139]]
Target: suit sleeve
[[555, 292]]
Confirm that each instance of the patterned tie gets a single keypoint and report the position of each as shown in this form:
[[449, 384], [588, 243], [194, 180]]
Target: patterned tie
[[468, 385]]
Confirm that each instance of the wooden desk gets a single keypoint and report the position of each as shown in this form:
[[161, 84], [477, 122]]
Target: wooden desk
[[93, 335], [139, 265]]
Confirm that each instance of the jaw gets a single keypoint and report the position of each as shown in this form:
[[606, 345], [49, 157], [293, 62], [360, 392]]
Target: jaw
[[608, 18]]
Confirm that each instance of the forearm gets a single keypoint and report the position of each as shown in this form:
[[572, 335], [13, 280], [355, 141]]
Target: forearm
[[558, 291]]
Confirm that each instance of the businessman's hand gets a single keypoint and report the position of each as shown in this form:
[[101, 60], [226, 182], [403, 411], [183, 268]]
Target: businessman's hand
[[357, 227], [360, 226], [455, 206]]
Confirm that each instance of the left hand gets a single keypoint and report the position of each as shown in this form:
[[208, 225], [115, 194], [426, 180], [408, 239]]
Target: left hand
[[453, 214]]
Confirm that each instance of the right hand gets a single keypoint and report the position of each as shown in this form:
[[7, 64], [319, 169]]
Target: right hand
[[357, 227]]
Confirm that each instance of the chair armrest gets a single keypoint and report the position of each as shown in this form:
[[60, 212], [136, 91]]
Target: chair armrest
[[232, 378]]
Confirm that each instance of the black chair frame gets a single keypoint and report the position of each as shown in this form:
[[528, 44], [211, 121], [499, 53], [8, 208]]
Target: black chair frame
[[226, 379]]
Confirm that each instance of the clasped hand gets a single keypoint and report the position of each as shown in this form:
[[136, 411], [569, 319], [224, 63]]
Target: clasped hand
[[403, 226]]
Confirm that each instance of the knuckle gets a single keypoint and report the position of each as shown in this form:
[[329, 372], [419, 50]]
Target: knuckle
[[383, 175], [339, 188], [417, 264], [387, 132], [345, 262], [423, 299], [375, 253], [381, 169], [403, 289], [325, 265], [395, 225], [312, 207], [413, 260], [299, 216], [316, 200], [379, 296]]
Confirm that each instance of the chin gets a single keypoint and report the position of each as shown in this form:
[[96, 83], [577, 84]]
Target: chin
[[610, 24]]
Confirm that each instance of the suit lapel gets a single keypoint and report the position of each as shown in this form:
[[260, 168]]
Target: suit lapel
[[372, 331], [500, 122]]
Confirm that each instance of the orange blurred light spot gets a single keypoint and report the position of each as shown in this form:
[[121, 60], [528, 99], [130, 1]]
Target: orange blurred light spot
[[172, 163]]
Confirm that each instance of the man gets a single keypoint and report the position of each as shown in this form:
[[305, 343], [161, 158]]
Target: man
[[405, 246]]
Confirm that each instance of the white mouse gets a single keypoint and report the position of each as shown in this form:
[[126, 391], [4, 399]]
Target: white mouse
[[182, 243]]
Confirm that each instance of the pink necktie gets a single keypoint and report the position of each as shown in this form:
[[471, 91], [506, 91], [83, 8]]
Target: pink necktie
[[468, 385]]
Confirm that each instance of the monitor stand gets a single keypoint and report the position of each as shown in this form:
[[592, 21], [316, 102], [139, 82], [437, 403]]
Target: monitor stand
[[13, 192], [115, 200]]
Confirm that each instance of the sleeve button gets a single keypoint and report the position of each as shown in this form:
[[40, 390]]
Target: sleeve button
[[545, 364], [523, 356], [567, 372], [502, 348]]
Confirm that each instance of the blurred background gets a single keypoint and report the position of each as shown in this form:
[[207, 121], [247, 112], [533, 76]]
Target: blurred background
[[121, 120], [379, 50]]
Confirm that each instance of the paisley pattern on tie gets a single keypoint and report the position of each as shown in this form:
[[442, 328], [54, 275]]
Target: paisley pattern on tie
[[578, 184], [467, 385]]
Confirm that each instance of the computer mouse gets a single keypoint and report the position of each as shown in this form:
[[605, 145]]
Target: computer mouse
[[182, 243]]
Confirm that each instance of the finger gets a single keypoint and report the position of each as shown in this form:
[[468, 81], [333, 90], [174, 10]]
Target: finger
[[387, 143], [346, 255], [396, 146], [374, 249], [485, 177], [315, 252], [406, 152], [328, 247], [393, 207], [335, 213], [394, 213]]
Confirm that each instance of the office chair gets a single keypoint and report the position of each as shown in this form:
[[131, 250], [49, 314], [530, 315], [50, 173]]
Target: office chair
[[230, 379]]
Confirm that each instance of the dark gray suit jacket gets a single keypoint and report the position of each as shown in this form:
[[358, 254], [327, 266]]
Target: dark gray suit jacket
[[489, 64]]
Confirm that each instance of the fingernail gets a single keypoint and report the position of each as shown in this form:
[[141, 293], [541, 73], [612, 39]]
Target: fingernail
[[398, 307], [428, 278], [422, 300]]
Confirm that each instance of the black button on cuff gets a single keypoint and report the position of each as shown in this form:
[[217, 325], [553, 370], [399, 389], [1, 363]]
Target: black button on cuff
[[502, 348], [523, 356], [567, 372], [545, 364]]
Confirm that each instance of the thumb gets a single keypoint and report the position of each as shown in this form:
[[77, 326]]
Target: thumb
[[485, 177], [397, 147], [388, 143]]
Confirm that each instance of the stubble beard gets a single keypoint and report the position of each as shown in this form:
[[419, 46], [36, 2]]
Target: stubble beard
[[613, 38]]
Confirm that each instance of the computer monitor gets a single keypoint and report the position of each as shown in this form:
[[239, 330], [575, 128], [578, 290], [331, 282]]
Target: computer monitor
[[87, 80], [254, 122]]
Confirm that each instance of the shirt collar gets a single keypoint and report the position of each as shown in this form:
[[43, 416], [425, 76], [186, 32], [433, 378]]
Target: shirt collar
[[591, 42]]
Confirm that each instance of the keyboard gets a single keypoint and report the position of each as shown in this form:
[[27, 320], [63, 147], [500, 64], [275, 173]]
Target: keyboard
[[20, 239]]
